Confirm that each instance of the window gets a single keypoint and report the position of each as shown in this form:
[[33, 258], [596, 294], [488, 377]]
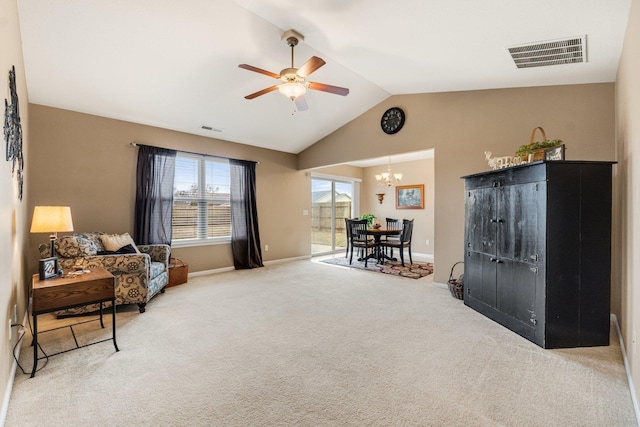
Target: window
[[201, 208]]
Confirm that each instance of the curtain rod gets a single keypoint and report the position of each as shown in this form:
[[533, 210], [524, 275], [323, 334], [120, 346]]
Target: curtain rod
[[137, 144]]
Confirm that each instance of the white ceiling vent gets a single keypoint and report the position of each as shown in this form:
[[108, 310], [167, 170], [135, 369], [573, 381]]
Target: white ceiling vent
[[552, 52]]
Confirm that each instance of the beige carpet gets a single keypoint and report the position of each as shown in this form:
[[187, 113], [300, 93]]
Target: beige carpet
[[309, 344]]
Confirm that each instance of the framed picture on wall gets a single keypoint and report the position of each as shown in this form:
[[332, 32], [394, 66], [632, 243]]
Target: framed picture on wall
[[410, 196]]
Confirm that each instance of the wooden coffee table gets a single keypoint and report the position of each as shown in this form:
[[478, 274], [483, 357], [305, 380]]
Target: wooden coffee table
[[74, 290]]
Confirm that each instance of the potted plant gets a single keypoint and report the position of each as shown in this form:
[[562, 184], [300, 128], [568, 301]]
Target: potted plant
[[369, 217]]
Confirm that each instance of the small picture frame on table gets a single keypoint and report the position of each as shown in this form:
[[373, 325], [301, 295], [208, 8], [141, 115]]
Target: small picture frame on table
[[48, 268], [554, 153]]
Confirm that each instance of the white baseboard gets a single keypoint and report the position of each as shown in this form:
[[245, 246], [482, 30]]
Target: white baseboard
[[441, 285], [627, 368], [208, 272], [12, 376], [421, 257], [225, 269], [280, 261]]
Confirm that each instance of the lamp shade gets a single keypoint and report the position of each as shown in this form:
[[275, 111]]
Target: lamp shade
[[51, 219]]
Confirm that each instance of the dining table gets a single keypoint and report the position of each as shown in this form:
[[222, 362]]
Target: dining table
[[377, 233]]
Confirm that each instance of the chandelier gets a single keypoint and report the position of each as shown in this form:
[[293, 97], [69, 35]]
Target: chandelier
[[388, 179]]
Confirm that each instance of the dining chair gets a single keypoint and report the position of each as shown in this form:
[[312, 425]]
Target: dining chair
[[360, 240], [392, 224], [347, 229], [404, 241]]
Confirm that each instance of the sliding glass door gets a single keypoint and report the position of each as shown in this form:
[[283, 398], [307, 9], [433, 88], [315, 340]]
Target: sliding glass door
[[332, 202]]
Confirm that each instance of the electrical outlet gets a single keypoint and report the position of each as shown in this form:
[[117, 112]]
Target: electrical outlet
[[15, 313], [266, 248], [427, 243]]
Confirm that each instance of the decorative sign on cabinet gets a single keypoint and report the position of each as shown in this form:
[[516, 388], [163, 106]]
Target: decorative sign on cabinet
[[538, 250]]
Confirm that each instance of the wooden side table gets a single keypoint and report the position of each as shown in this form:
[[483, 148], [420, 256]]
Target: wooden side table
[[60, 293]]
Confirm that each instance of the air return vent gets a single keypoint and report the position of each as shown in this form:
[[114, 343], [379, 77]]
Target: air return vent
[[552, 52]]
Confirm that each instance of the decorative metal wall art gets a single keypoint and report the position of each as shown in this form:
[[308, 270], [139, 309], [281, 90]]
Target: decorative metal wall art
[[13, 131]]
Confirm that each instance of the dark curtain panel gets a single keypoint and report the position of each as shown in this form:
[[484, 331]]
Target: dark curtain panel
[[245, 237], [154, 195]]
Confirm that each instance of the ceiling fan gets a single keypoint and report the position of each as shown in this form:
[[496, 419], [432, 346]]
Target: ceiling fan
[[294, 80]]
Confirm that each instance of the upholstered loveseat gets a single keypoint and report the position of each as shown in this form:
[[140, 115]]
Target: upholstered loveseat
[[141, 271]]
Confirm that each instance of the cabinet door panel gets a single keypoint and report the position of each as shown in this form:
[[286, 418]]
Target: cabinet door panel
[[489, 286], [528, 228], [506, 298], [480, 206], [505, 221], [473, 275], [524, 281], [481, 272], [518, 228]]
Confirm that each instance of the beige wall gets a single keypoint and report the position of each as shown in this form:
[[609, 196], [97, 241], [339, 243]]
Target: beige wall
[[13, 212], [87, 163], [627, 190], [461, 126], [417, 172]]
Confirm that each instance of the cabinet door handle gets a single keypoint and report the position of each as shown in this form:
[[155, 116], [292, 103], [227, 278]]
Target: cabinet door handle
[[493, 220]]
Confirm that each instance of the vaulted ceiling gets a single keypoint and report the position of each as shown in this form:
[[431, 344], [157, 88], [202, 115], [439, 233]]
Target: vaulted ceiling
[[174, 64]]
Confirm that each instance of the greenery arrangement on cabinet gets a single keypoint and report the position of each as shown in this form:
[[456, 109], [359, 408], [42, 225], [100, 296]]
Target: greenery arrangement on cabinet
[[537, 147], [532, 147]]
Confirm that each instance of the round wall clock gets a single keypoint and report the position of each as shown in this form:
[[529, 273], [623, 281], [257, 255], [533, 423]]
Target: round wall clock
[[392, 120]]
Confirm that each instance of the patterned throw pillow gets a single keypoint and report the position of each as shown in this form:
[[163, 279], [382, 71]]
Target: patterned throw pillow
[[113, 242], [75, 246]]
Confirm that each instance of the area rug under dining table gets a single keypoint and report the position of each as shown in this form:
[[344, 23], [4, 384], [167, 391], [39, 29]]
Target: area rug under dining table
[[413, 271]]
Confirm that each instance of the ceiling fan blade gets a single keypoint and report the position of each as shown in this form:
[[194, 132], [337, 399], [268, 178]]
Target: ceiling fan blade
[[259, 70], [329, 88], [310, 66], [262, 92], [301, 103]]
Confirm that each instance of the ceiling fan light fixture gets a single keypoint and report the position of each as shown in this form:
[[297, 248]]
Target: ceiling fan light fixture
[[292, 90], [294, 80]]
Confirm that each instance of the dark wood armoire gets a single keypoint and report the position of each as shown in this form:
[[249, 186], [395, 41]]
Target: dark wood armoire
[[538, 250]]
